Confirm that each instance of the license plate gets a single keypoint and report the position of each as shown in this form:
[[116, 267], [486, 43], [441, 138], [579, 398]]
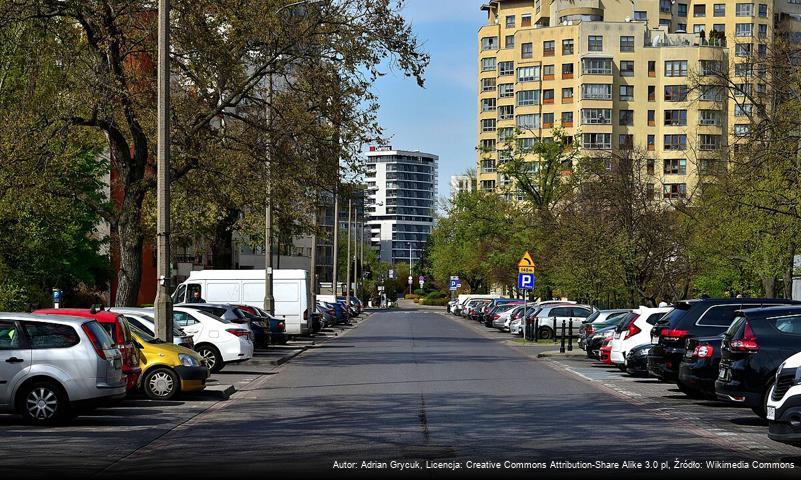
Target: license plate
[[654, 340], [771, 413], [724, 374]]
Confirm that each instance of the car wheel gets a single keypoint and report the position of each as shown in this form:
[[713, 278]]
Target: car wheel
[[762, 410], [545, 333], [161, 384], [212, 357], [43, 403]]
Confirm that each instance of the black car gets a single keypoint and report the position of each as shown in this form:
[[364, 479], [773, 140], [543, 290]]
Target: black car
[[590, 341], [689, 319], [699, 367], [595, 341], [637, 360], [753, 348]]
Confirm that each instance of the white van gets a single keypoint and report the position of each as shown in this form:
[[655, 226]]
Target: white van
[[246, 287]]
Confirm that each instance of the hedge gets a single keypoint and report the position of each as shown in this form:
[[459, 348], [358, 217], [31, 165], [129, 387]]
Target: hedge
[[434, 302]]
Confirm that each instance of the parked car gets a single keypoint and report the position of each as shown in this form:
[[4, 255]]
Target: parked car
[[142, 318], [550, 317], [588, 331], [633, 331], [496, 312], [168, 369], [217, 340], [278, 335], [328, 315], [753, 348], [117, 328], [694, 318], [784, 403], [601, 337], [505, 318], [699, 367], [637, 360], [599, 317], [605, 353], [259, 325], [51, 364]]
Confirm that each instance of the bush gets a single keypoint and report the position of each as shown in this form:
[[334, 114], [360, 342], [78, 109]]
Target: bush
[[434, 302], [13, 298], [420, 292], [411, 296], [436, 294]]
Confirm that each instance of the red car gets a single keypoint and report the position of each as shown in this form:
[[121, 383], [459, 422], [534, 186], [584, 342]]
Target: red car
[[606, 352], [117, 328]]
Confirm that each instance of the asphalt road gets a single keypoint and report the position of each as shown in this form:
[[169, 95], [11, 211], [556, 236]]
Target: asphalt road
[[406, 386]]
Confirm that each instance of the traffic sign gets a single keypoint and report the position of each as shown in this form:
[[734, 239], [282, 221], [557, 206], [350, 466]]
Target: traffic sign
[[391, 274], [526, 281], [411, 279], [526, 264], [454, 284]]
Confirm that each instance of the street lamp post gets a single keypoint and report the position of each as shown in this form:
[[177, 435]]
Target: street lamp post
[[163, 302], [411, 277]]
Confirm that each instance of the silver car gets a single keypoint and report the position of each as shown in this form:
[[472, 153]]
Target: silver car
[[51, 363]]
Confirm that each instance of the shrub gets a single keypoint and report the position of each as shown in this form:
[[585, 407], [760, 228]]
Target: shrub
[[411, 296], [436, 294], [420, 292], [434, 302]]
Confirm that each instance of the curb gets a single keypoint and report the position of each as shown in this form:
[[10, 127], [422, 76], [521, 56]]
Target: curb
[[277, 361], [557, 353], [222, 392]]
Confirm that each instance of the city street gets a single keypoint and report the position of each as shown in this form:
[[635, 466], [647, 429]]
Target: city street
[[403, 385]]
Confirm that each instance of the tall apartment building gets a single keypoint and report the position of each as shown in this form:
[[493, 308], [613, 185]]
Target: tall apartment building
[[401, 198], [617, 73]]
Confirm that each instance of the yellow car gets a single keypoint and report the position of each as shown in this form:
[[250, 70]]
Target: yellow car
[[168, 368]]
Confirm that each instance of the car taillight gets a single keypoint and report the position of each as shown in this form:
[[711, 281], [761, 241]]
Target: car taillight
[[94, 341], [496, 316], [633, 330], [281, 326], [703, 351], [748, 343], [674, 334], [238, 332]]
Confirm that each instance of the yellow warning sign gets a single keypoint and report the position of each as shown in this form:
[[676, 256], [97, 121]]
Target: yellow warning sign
[[526, 264]]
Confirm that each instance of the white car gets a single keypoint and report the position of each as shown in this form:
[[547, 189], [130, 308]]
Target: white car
[[142, 318], [634, 331], [784, 403], [218, 341]]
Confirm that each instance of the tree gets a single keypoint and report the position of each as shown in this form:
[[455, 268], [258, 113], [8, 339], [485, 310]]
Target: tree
[[222, 52]]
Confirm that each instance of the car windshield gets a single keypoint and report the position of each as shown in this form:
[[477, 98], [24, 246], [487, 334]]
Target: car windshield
[[145, 337], [214, 317], [673, 318], [592, 317]]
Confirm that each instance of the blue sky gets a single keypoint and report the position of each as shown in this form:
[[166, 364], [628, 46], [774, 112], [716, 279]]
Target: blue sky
[[441, 118]]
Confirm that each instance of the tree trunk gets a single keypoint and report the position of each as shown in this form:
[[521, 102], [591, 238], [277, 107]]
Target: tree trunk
[[769, 287], [131, 242], [789, 266]]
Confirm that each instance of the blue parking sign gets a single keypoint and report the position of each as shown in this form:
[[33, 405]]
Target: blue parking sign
[[525, 281]]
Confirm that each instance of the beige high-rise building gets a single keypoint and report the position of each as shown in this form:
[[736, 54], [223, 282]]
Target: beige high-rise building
[[614, 73]]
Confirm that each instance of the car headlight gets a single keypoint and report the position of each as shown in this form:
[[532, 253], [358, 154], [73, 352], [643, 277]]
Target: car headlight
[[797, 377], [188, 360]]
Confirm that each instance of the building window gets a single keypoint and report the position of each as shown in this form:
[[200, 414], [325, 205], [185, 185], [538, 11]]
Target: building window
[[763, 31], [548, 48], [626, 118], [665, 6], [626, 43], [651, 93], [547, 97], [743, 29], [488, 104], [742, 69], [567, 119], [595, 43], [596, 66], [506, 112], [510, 21], [709, 117], [528, 122], [505, 133], [699, 10], [626, 68], [711, 93], [682, 11], [488, 64], [700, 28], [675, 93], [510, 42], [527, 50], [762, 50], [675, 117], [567, 46], [710, 67], [651, 68], [650, 166], [488, 166], [625, 140], [743, 110], [596, 141], [663, 22], [719, 27], [743, 50], [488, 145], [640, 15], [596, 91], [488, 185], [763, 10], [488, 125], [547, 120], [528, 74], [506, 68], [719, 10], [675, 142], [742, 130], [528, 97], [708, 142], [526, 144], [626, 93], [488, 84], [489, 43], [674, 190], [596, 116], [506, 90], [567, 70], [651, 143], [677, 166], [681, 28], [525, 20], [676, 68], [567, 95], [548, 72], [744, 9], [651, 118]]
